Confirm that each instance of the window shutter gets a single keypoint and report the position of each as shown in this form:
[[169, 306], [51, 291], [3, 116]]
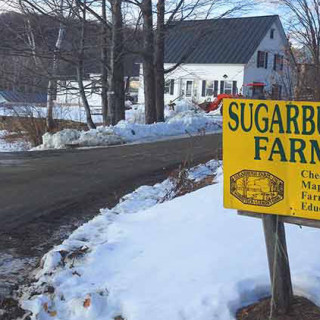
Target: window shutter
[[275, 62], [172, 87], [204, 84], [216, 85], [234, 87], [258, 59], [266, 60], [221, 86]]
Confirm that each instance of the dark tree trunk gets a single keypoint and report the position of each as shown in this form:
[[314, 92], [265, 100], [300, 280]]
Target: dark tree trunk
[[116, 108], [148, 66], [52, 85], [104, 64], [159, 61], [83, 96], [127, 85], [51, 90]]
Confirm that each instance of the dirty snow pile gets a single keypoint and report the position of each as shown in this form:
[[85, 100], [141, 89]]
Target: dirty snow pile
[[186, 258], [10, 146], [187, 122]]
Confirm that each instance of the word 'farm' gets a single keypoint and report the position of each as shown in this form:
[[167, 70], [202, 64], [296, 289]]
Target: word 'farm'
[[286, 133]]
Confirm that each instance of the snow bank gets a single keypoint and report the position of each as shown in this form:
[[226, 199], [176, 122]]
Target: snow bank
[[186, 118], [187, 122], [78, 114], [69, 137], [17, 145], [188, 258], [180, 106], [182, 123], [136, 114]]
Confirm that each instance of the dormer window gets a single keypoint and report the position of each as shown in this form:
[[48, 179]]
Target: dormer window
[[272, 33]]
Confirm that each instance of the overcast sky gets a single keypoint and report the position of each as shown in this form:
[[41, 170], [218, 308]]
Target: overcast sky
[[265, 7]]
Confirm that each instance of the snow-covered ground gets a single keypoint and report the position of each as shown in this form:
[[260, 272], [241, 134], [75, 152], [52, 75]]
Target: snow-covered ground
[[185, 258], [185, 119], [72, 113], [6, 146], [77, 113]]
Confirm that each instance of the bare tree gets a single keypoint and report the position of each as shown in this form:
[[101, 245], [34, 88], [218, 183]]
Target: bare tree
[[27, 6], [153, 51], [148, 66], [104, 62], [304, 26], [52, 85], [110, 21], [64, 15], [116, 108], [159, 61], [112, 69], [79, 68]]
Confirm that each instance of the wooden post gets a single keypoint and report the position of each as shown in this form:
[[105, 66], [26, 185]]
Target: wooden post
[[278, 264]]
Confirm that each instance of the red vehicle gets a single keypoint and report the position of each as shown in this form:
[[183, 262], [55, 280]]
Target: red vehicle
[[217, 102], [257, 92]]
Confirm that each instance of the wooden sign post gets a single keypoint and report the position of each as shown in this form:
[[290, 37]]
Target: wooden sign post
[[271, 158], [279, 266], [278, 259]]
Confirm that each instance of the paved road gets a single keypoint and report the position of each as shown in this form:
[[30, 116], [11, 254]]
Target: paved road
[[45, 195], [35, 184]]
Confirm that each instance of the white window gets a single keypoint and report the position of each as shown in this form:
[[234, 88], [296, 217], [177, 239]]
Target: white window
[[278, 62], [209, 88], [272, 31], [169, 87], [262, 59], [189, 87], [228, 87]]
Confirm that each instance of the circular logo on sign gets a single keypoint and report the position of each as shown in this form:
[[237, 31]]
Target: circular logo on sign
[[257, 188]]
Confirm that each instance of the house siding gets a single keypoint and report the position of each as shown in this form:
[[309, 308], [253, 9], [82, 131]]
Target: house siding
[[277, 45], [197, 73]]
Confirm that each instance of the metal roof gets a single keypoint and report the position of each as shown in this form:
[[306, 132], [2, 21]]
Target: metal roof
[[231, 40], [19, 97]]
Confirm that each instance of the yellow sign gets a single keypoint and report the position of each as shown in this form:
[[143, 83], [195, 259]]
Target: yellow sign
[[271, 157]]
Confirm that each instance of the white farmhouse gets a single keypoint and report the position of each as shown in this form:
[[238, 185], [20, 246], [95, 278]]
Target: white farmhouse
[[248, 56]]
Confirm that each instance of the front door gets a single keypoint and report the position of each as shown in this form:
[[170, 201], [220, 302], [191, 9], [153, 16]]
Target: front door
[[189, 88]]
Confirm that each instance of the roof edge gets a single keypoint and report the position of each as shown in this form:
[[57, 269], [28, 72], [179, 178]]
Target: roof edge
[[276, 19], [225, 18]]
